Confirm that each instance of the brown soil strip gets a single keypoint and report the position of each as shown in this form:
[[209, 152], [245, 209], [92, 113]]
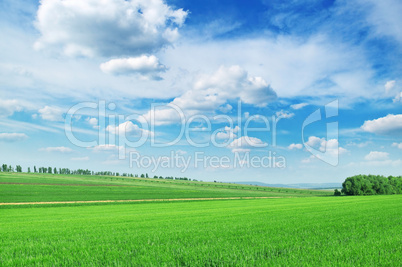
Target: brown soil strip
[[70, 184], [134, 200]]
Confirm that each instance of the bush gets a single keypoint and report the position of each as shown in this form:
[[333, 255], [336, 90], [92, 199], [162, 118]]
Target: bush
[[372, 185]]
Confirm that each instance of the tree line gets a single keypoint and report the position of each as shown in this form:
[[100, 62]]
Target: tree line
[[67, 171], [371, 185]]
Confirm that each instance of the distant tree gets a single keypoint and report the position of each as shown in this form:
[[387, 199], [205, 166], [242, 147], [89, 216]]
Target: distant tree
[[55, 170], [142, 176], [4, 168], [29, 169], [18, 168], [337, 192], [146, 175], [35, 169], [49, 170]]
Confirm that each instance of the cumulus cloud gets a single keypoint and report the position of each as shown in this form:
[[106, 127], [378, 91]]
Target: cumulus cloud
[[225, 108], [389, 85], [376, 156], [390, 124], [9, 106], [298, 106], [147, 67], [245, 144], [60, 149], [51, 113], [227, 83], [397, 145], [228, 133], [295, 146], [330, 147], [398, 97], [210, 92], [108, 27], [128, 128], [284, 114], [93, 122], [12, 137], [164, 115]]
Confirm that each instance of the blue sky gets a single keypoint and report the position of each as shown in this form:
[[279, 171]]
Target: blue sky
[[233, 83]]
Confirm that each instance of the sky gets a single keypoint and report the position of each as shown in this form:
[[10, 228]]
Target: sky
[[269, 91]]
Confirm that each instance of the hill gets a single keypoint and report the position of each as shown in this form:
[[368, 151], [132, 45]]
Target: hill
[[23, 187]]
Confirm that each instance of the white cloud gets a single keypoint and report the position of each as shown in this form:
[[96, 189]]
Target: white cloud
[[211, 92], [129, 128], [385, 17], [60, 149], [225, 108], [80, 159], [147, 67], [284, 114], [12, 137], [295, 146], [298, 106], [376, 156], [389, 85], [227, 83], [93, 122], [51, 113], [106, 148], [390, 124], [319, 66], [245, 144], [397, 145], [330, 147], [9, 106], [164, 115], [108, 27], [228, 133], [398, 97]]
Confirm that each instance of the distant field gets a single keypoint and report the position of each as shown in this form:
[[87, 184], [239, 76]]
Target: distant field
[[331, 231], [46, 188]]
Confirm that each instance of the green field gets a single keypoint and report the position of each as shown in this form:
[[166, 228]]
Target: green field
[[296, 231], [47, 187]]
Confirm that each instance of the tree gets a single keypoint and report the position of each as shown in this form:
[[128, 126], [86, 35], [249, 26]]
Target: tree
[[337, 192], [35, 169], [4, 168], [18, 168], [55, 170], [372, 185], [49, 170], [29, 169]]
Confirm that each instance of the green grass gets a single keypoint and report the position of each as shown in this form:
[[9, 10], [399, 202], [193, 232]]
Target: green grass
[[332, 231], [46, 187]]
